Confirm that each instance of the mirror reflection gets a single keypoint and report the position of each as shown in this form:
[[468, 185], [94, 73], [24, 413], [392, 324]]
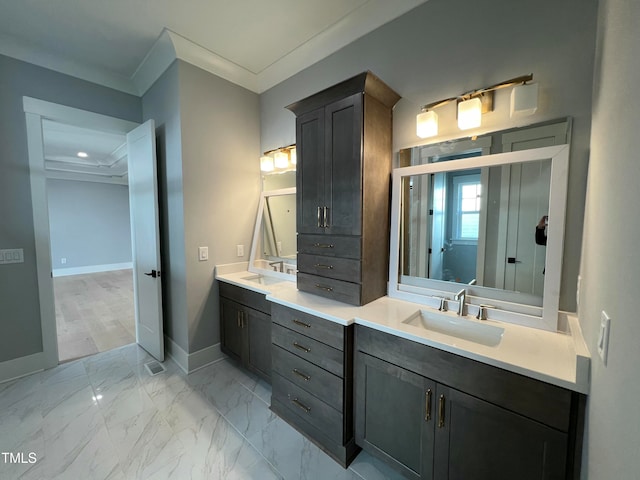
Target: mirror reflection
[[477, 226], [279, 228]]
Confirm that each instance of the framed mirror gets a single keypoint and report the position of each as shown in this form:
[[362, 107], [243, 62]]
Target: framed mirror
[[274, 250], [472, 222]]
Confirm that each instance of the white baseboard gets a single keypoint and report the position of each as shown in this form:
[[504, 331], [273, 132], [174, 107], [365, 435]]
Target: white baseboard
[[190, 362], [21, 367], [63, 272]]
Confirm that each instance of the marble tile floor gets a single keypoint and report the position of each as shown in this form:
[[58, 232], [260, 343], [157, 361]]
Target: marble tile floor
[[105, 417]]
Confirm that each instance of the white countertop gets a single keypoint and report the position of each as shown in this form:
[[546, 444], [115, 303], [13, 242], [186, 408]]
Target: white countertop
[[561, 359]]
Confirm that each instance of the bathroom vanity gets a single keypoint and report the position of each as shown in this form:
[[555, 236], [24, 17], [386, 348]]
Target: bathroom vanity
[[463, 366]]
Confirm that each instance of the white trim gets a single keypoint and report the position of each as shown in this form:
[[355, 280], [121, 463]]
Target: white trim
[[35, 110], [190, 362], [86, 177], [559, 156], [65, 272], [21, 367]]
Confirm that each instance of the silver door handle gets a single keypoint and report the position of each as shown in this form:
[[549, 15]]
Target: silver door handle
[[325, 223]]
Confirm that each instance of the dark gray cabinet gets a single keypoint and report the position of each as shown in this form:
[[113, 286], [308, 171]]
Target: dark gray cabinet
[[312, 387], [246, 328], [343, 138], [428, 429]]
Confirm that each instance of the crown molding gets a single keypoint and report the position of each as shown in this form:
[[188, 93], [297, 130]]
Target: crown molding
[[170, 46]]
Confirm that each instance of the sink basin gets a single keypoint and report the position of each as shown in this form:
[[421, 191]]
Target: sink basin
[[458, 327], [262, 279]]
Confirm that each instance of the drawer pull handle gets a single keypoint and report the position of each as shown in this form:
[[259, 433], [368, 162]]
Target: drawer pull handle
[[441, 412], [300, 347], [319, 265], [323, 245], [321, 287], [302, 324], [306, 378], [301, 406], [427, 412]]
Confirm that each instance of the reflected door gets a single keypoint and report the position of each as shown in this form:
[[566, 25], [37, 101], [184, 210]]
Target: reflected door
[[438, 228], [528, 202]]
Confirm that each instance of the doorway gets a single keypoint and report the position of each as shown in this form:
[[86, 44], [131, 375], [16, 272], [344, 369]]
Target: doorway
[[37, 112]]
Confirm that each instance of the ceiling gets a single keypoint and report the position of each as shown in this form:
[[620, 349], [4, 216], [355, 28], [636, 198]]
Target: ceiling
[[106, 159], [124, 44], [108, 42]]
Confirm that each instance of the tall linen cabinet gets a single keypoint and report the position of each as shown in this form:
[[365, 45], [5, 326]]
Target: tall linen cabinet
[[344, 141]]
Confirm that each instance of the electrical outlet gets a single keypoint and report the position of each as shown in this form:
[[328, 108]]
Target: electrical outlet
[[240, 250], [603, 337], [63, 260], [203, 253]]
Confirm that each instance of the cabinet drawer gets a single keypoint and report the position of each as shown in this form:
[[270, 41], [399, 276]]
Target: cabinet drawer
[[320, 329], [304, 405], [339, 290], [345, 269], [330, 245], [324, 385], [246, 297], [311, 350]]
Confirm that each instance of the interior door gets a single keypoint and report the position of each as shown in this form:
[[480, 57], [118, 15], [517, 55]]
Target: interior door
[[145, 238], [438, 219]]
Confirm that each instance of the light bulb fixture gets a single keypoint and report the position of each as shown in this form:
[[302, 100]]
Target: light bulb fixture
[[524, 100], [281, 159], [266, 163], [469, 113], [427, 124], [293, 155], [82, 154], [473, 104]]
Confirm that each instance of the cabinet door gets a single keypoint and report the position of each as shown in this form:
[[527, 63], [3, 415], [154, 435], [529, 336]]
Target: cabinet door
[[343, 161], [310, 178], [258, 325], [482, 441], [232, 332], [395, 415]]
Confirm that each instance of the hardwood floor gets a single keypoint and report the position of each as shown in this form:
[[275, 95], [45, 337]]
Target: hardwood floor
[[94, 313]]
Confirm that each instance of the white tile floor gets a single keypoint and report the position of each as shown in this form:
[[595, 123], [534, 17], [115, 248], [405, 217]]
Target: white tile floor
[[105, 417]]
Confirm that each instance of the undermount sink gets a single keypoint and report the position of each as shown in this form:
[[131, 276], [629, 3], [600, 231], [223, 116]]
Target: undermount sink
[[458, 327], [262, 279]]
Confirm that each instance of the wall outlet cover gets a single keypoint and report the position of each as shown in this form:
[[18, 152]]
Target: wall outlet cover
[[240, 250], [203, 253]]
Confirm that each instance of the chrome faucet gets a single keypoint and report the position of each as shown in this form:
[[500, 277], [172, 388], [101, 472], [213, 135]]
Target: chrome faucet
[[277, 266], [461, 297]]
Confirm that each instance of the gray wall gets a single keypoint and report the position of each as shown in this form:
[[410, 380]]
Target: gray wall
[[447, 47], [610, 263], [162, 103], [20, 332], [88, 223], [208, 149], [221, 175]]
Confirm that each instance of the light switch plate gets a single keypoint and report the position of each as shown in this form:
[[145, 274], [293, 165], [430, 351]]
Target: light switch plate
[[203, 253], [14, 255], [603, 336]]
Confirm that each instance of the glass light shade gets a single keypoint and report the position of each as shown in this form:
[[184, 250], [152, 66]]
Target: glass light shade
[[281, 159], [469, 114], [524, 100], [293, 157], [266, 164], [427, 124]]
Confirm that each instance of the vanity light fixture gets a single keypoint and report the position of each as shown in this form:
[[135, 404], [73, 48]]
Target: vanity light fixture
[[281, 159], [473, 104], [266, 163]]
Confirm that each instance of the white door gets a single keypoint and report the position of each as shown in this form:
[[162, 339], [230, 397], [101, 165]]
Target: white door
[[145, 238], [438, 228]]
